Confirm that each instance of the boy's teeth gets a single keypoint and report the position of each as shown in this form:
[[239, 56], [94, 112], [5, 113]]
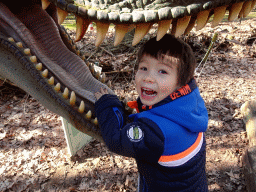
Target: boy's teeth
[[145, 93], [149, 92]]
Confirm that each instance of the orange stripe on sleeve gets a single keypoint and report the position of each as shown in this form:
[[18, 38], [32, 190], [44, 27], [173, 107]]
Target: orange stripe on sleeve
[[184, 153]]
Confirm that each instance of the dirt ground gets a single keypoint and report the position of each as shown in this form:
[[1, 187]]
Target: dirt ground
[[33, 150]]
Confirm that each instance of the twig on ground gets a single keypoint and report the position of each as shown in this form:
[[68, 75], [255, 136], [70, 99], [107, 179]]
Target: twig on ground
[[107, 51], [124, 71], [214, 38], [91, 55]]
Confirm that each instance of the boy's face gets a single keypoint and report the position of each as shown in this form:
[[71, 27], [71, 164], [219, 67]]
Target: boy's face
[[156, 79]]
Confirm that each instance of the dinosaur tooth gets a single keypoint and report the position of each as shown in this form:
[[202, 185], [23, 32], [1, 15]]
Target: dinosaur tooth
[[253, 4], [190, 25], [235, 10], [19, 44], [91, 67], [246, 9], [202, 18], [109, 84], [61, 15], [45, 73], [102, 29], [45, 4], [27, 51], [140, 31], [100, 78], [163, 27], [33, 59], [82, 57], [97, 75], [95, 121], [65, 93], [51, 81], [81, 107], [120, 31], [72, 99], [181, 26], [88, 115], [11, 39], [81, 27], [219, 13], [57, 87], [39, 66], [103, 78]]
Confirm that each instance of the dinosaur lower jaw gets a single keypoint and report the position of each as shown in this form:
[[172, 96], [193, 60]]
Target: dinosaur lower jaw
[[60, 74]]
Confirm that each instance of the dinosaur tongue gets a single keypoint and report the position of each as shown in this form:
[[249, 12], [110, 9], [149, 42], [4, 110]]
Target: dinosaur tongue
[[38, 31]]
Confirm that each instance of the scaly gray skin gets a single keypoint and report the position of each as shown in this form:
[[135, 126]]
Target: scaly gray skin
[[37, 56]]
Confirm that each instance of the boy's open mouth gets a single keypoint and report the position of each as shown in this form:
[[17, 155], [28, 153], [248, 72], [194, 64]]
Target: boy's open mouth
[[148, 92]]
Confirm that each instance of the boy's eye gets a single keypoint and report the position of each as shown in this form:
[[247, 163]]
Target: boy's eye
[[143, 68], [163, 72]]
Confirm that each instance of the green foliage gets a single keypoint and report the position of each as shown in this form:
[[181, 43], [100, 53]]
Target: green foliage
[[70, 22]]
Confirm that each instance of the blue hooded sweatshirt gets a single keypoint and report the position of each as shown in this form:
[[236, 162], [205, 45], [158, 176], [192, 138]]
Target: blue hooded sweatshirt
[[166, 139]]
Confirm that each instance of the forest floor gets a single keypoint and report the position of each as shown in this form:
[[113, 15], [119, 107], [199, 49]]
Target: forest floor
[[33, 149]]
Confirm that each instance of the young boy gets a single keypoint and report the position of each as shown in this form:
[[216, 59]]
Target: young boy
[[166, 136]]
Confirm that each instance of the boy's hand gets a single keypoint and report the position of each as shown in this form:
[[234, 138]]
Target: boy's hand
[[102, 92]]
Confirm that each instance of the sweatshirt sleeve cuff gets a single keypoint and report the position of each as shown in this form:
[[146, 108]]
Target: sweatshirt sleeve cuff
[[107, 101]]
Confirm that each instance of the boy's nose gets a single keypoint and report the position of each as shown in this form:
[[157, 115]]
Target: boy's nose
[[148, 78]]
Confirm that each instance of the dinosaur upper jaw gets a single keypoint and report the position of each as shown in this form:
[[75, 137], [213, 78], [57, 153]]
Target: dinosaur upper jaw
[[177, 16]]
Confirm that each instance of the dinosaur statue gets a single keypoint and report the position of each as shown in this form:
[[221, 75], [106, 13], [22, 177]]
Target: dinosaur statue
[[37, 55]]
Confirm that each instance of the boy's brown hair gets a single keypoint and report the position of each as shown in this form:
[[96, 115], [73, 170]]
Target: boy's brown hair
[[171, 46]]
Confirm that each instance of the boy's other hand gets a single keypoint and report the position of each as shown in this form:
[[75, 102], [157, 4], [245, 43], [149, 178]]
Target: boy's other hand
[[102, 92]]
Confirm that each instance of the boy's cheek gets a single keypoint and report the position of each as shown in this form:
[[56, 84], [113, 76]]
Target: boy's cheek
[[137, 87], [137, 79]]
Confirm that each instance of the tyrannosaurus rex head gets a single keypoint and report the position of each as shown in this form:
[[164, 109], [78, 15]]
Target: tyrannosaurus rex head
[[37, 55]]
